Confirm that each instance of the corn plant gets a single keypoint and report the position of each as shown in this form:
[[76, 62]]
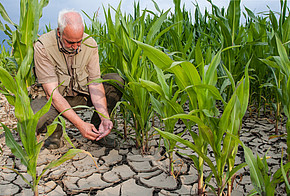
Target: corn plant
[[282, 82], [7, 61], [165, 103], [25, 33], [257, 47], [29, 151], [264, 182]]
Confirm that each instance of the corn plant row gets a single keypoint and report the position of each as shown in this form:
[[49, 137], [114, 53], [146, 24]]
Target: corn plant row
[[197, 62]]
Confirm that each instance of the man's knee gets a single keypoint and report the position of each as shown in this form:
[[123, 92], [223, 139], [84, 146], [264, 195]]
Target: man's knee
[[114, 76], [113, 94], [36, 105]]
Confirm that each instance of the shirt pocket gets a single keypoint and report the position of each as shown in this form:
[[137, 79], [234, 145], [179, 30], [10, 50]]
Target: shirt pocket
[[82, 80], [63, 78]]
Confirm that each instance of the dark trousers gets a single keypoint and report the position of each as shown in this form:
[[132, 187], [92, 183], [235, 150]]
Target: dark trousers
[[113, 95]]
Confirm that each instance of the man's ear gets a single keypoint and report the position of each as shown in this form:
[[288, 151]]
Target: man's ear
[[58, 33]]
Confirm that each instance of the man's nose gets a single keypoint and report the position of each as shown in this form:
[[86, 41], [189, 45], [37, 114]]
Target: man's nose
[[74, 46]]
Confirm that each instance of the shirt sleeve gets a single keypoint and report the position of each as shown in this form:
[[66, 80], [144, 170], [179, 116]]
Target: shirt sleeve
[[45, 71], [94, 66]]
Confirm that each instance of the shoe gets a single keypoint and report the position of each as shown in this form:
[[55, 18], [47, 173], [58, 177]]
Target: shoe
[[107, 142], [54, 141]]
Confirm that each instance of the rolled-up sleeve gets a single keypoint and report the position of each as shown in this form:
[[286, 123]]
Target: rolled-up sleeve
[[44, 69]]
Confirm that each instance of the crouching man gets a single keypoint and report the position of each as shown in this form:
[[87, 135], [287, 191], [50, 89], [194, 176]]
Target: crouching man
[[63, 56]]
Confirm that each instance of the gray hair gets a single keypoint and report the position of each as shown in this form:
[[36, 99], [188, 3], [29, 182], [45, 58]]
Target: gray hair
[[63, 20]]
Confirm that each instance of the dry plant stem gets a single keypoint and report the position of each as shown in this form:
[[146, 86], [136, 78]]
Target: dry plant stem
[[200, 184], [36, 191], [125, 130], [277, 118], [171, 170]]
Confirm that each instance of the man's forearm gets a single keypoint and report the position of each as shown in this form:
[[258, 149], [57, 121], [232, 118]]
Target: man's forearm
[[61, 104], [98, 98]]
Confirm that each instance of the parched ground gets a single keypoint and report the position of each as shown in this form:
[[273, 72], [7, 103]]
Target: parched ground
[[124, 170]]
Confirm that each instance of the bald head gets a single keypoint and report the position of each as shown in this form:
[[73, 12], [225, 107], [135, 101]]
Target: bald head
[[71, 19]]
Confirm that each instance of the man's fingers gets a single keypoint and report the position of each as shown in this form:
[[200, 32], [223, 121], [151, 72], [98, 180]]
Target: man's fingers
[[93, 134]]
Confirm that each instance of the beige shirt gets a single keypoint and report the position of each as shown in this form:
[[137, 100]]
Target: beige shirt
[[46, 71]]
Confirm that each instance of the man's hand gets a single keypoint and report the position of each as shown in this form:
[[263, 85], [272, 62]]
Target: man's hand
[[104, 128], [88, 131]]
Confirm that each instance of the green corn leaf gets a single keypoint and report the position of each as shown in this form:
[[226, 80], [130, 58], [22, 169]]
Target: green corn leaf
[[23, 111], [273, 20], [64, 132], [151, 86], [18, 173], [286, 29], [284, 175], [156, 6], [67, 156], [278, 176], [5, 15], [194, 158], [155, 28], [51, 128], [213, 90], [210, 75], [226, 32], [226, 117], [157, 106], [157, 37], [27, 25], [193, 74], [1, 26], [19, 47], [233, 15], [15, 148], [24, 114], [287, 94], [204, 130], [230, 77], [251, 15], [285, 63], [256, 176], [194, 119], [199, 58], [25, 68], [270, 63], [162, 80], [243, 91], [159, 58], [8, 81], [234, 171], [191, 146]]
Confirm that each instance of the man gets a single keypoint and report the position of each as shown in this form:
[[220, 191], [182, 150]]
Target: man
[[65, 56]]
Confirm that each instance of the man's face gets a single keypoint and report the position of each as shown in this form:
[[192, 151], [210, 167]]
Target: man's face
[[71, 39]]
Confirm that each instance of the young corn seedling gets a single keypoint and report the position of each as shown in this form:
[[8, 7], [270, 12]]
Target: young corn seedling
[[29, 151], [165, 103], [264, 182]]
